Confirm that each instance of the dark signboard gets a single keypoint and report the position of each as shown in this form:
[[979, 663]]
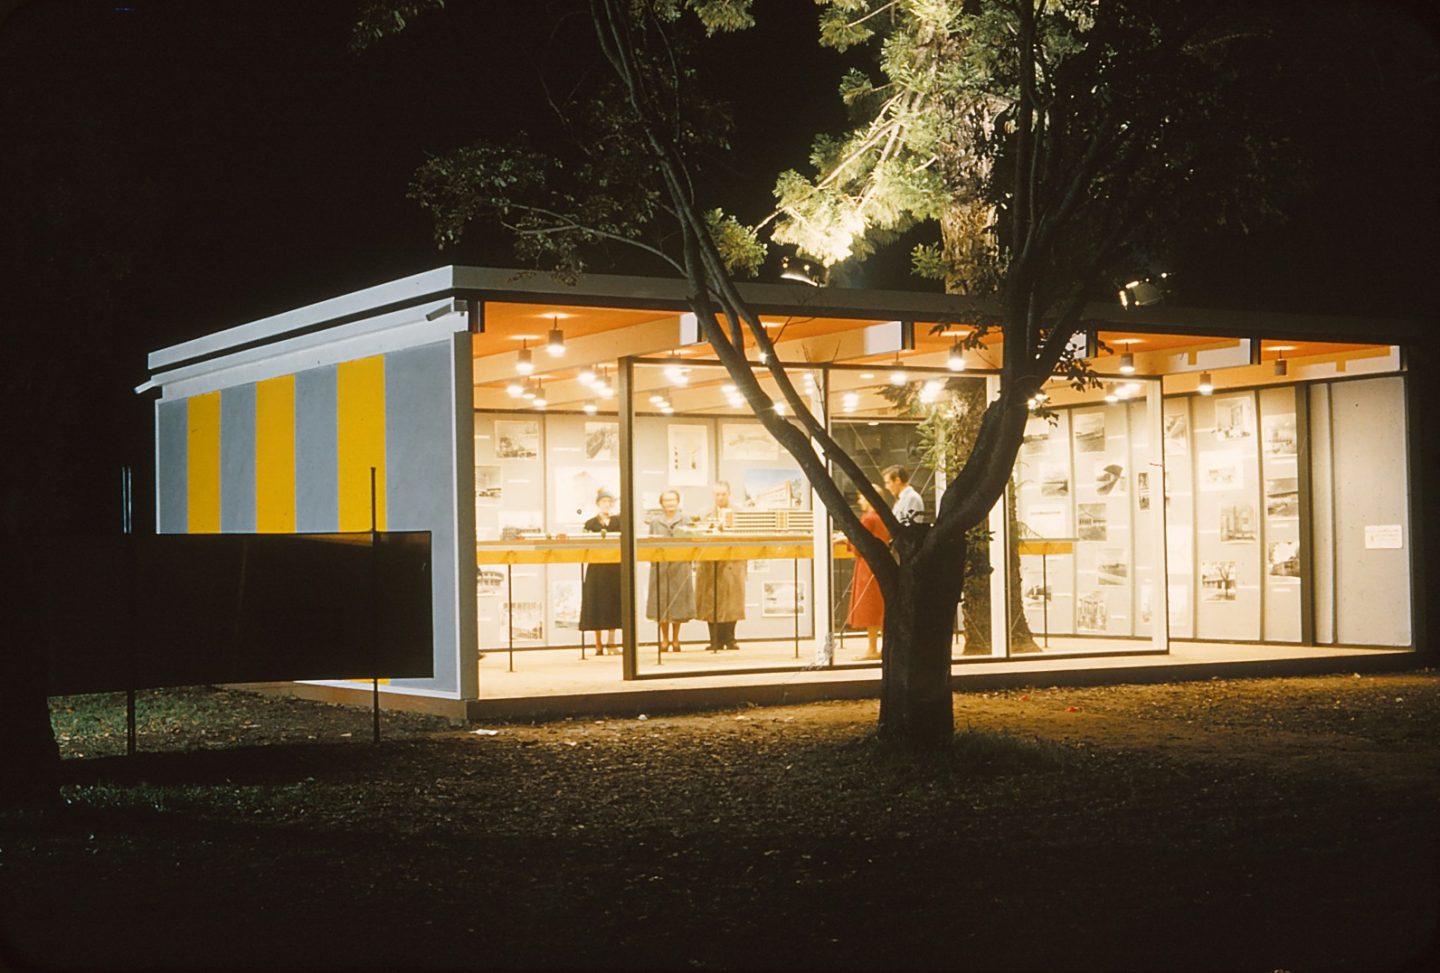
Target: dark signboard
[[189, 609]]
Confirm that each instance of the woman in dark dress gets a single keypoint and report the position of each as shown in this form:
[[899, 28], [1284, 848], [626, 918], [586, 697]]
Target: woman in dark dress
[[600, 597]]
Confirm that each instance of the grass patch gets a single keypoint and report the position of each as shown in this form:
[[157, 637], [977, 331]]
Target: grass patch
[[999, 752]]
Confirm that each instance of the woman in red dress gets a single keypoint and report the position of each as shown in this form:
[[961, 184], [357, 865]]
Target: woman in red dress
[[867, 607]]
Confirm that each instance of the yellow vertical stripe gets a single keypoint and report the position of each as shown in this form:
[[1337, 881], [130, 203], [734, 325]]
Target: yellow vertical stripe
[[202, 464], [275, 455], [360, 443]]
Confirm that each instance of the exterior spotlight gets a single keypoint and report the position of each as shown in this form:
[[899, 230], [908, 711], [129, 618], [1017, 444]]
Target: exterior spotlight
[[590, 408], [956, 360], [515, 389], [1127, 364], [1206, 386], [523, 362], [1139, 293], [802, 271]]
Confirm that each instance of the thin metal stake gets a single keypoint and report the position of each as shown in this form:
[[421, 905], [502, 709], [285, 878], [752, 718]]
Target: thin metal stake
[[374, 620], [127, 527]]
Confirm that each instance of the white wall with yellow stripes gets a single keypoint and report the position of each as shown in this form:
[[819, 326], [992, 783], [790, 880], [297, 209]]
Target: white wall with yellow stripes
[[293, 453]]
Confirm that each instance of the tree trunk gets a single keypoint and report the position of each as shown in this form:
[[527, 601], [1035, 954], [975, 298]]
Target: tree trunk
[[977, 596], [916, 708], [29, 755]]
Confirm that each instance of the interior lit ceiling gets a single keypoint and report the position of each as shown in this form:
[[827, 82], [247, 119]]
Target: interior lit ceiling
[[858, 391]]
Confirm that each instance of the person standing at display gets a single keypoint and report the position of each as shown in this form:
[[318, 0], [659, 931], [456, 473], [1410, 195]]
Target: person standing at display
[[867, 605], [671, 600], [720, 585], [909, 505], [600, 596]]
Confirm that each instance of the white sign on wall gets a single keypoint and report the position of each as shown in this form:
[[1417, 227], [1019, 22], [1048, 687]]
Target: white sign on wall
[[1383, 536]]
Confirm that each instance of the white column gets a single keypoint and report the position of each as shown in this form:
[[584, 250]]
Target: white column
[[820, 564], [999, 556], [1160, 586]]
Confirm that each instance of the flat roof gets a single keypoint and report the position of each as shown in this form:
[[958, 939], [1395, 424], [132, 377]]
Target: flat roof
[[669, 294]]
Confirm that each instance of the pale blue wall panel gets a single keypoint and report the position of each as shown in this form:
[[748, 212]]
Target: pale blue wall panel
[[237, 459], [420, 482], [170, 459], [317, 501]]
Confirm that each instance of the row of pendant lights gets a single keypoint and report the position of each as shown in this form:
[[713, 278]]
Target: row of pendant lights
[[554, 347], [680, 376]]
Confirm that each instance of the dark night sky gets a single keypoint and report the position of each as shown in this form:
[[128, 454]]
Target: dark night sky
[[171, 168]]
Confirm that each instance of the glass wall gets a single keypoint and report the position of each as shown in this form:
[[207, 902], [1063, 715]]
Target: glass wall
[[1132, 517], [727, 527], [923, 420], [1088, 518]]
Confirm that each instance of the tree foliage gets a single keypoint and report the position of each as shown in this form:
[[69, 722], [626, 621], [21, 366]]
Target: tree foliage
[[1056, 137]]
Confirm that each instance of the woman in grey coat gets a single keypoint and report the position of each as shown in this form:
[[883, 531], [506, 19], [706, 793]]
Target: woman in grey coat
[[671, 599]]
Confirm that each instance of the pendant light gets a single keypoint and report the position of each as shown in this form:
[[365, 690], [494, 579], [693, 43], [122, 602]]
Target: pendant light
[[556, 343], [524, 364]]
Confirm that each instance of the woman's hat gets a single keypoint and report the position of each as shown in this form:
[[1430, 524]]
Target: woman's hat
[[603, 494]]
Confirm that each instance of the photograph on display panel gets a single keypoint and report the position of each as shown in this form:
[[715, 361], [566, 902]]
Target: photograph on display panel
[[747, 441], [523, 619], [1093, 521], [1221, 470], [1237, 523], [1142, 489], [1089, 432], [1218, 582], [1112, 569], [1282, 496], [576, 487], [782, 599], [1177, 432], [602, 440], [1037, 434], [517, 440], [775, 489], [488, 487], [1282, 560], [1234, 417], [688, 454], [1092, 614], [1279, 434], [1109, 478], [1054, 480], [565, 602]]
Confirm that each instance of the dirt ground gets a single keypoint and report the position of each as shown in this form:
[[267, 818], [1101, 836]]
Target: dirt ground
[[1239, 824]]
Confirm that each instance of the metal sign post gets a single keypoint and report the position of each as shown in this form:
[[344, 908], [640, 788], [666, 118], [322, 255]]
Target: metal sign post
[[127, 527], [374, 613]]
